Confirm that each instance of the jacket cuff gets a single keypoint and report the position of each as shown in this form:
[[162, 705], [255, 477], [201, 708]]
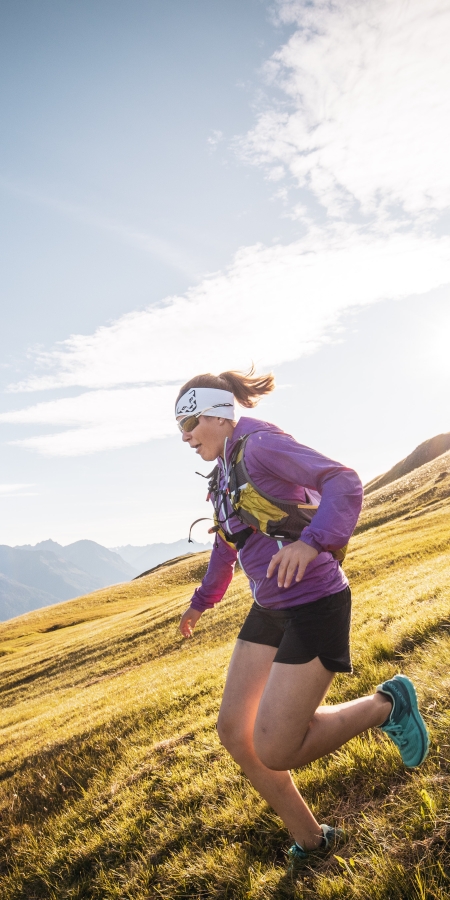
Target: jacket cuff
[[200, 606], [308, 539]]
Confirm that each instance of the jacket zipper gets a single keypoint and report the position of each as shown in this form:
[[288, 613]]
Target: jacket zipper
[[251, 582]]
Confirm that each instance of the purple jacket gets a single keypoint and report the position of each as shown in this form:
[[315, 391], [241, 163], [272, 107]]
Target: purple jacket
[[283, 468]]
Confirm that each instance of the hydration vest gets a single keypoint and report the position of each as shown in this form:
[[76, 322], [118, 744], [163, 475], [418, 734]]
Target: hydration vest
[[256, 509]]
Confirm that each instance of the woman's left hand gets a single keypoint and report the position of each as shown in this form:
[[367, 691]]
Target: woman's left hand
[[291, 560]]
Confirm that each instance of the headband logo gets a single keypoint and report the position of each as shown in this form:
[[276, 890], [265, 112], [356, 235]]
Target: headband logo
[[190, 404]]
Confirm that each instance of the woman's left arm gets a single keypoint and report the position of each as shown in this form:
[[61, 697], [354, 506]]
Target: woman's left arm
[[340, 504]]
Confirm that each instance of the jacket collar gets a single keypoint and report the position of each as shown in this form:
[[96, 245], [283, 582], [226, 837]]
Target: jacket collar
[[248, 425]]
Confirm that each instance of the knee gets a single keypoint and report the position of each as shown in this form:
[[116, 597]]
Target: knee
[[224, 730], [272, 752], [271, 756], [232, 738]]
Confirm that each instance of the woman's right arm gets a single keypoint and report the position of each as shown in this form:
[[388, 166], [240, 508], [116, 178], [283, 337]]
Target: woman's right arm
[[217, 578]]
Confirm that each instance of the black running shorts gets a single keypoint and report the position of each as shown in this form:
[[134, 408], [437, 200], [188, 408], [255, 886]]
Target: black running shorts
[[320, 628]]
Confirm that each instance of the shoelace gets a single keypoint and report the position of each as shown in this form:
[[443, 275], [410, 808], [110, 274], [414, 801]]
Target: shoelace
[[397, 731]]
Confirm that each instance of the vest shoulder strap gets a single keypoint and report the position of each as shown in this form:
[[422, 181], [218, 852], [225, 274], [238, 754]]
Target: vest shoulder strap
[[239, 478]]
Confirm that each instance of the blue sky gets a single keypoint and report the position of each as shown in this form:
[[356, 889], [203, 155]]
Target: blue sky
[[186, 186]]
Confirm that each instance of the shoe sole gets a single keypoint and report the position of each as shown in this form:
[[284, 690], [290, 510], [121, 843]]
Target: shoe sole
[[407, 685]]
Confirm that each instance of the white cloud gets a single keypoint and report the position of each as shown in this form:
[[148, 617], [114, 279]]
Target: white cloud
[[215, 139], [368, 121], [273, 305], [99, 420], [16, 490]]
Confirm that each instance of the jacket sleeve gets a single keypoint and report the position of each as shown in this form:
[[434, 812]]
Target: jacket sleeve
[[218, 576], [340, 489]]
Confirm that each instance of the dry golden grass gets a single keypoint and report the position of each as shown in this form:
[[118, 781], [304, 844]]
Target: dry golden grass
[[113, 782]]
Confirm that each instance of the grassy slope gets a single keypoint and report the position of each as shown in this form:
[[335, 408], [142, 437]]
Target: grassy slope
[[114, 785]]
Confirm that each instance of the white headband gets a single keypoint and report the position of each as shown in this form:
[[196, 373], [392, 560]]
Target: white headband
[[207, 401]]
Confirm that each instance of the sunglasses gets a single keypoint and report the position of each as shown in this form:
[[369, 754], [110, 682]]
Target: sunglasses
[[188, 423]]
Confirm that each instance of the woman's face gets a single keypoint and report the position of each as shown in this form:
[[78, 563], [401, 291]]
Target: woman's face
[[208, 438]]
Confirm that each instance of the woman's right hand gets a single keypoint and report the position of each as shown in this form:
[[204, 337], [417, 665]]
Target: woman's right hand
[[188, 621]]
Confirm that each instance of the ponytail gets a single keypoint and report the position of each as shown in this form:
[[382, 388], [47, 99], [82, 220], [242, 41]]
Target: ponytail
[[247, 388]]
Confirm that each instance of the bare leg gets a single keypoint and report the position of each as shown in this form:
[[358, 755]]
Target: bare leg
[[290, 731], [247, 676], [273, 707]]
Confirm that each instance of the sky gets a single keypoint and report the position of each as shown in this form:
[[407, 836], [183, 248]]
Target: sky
[[190, 186]]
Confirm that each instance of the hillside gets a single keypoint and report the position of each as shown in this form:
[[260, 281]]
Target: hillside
[[411, 496], [113, 783], [423, 454]]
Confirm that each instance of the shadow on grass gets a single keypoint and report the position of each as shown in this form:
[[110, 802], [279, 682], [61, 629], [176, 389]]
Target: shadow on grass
[[45, 783]]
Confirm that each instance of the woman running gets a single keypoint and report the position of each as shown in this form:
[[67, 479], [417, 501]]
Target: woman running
[[296, 635]]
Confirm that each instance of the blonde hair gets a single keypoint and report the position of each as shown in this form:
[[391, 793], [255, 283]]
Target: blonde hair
[[247, 388]]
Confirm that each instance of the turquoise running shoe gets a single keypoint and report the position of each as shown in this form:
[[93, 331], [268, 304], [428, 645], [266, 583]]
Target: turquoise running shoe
[[298, 857], [405, 725]]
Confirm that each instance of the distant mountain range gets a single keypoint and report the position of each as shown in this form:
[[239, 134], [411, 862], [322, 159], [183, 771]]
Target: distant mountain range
[[143, 558], [40, 575]]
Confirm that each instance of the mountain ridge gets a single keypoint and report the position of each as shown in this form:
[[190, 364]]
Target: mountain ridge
[[409, 496], [151, 555], [422, 454]]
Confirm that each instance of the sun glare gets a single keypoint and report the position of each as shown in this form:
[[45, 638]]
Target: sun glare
[[438, 356]]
